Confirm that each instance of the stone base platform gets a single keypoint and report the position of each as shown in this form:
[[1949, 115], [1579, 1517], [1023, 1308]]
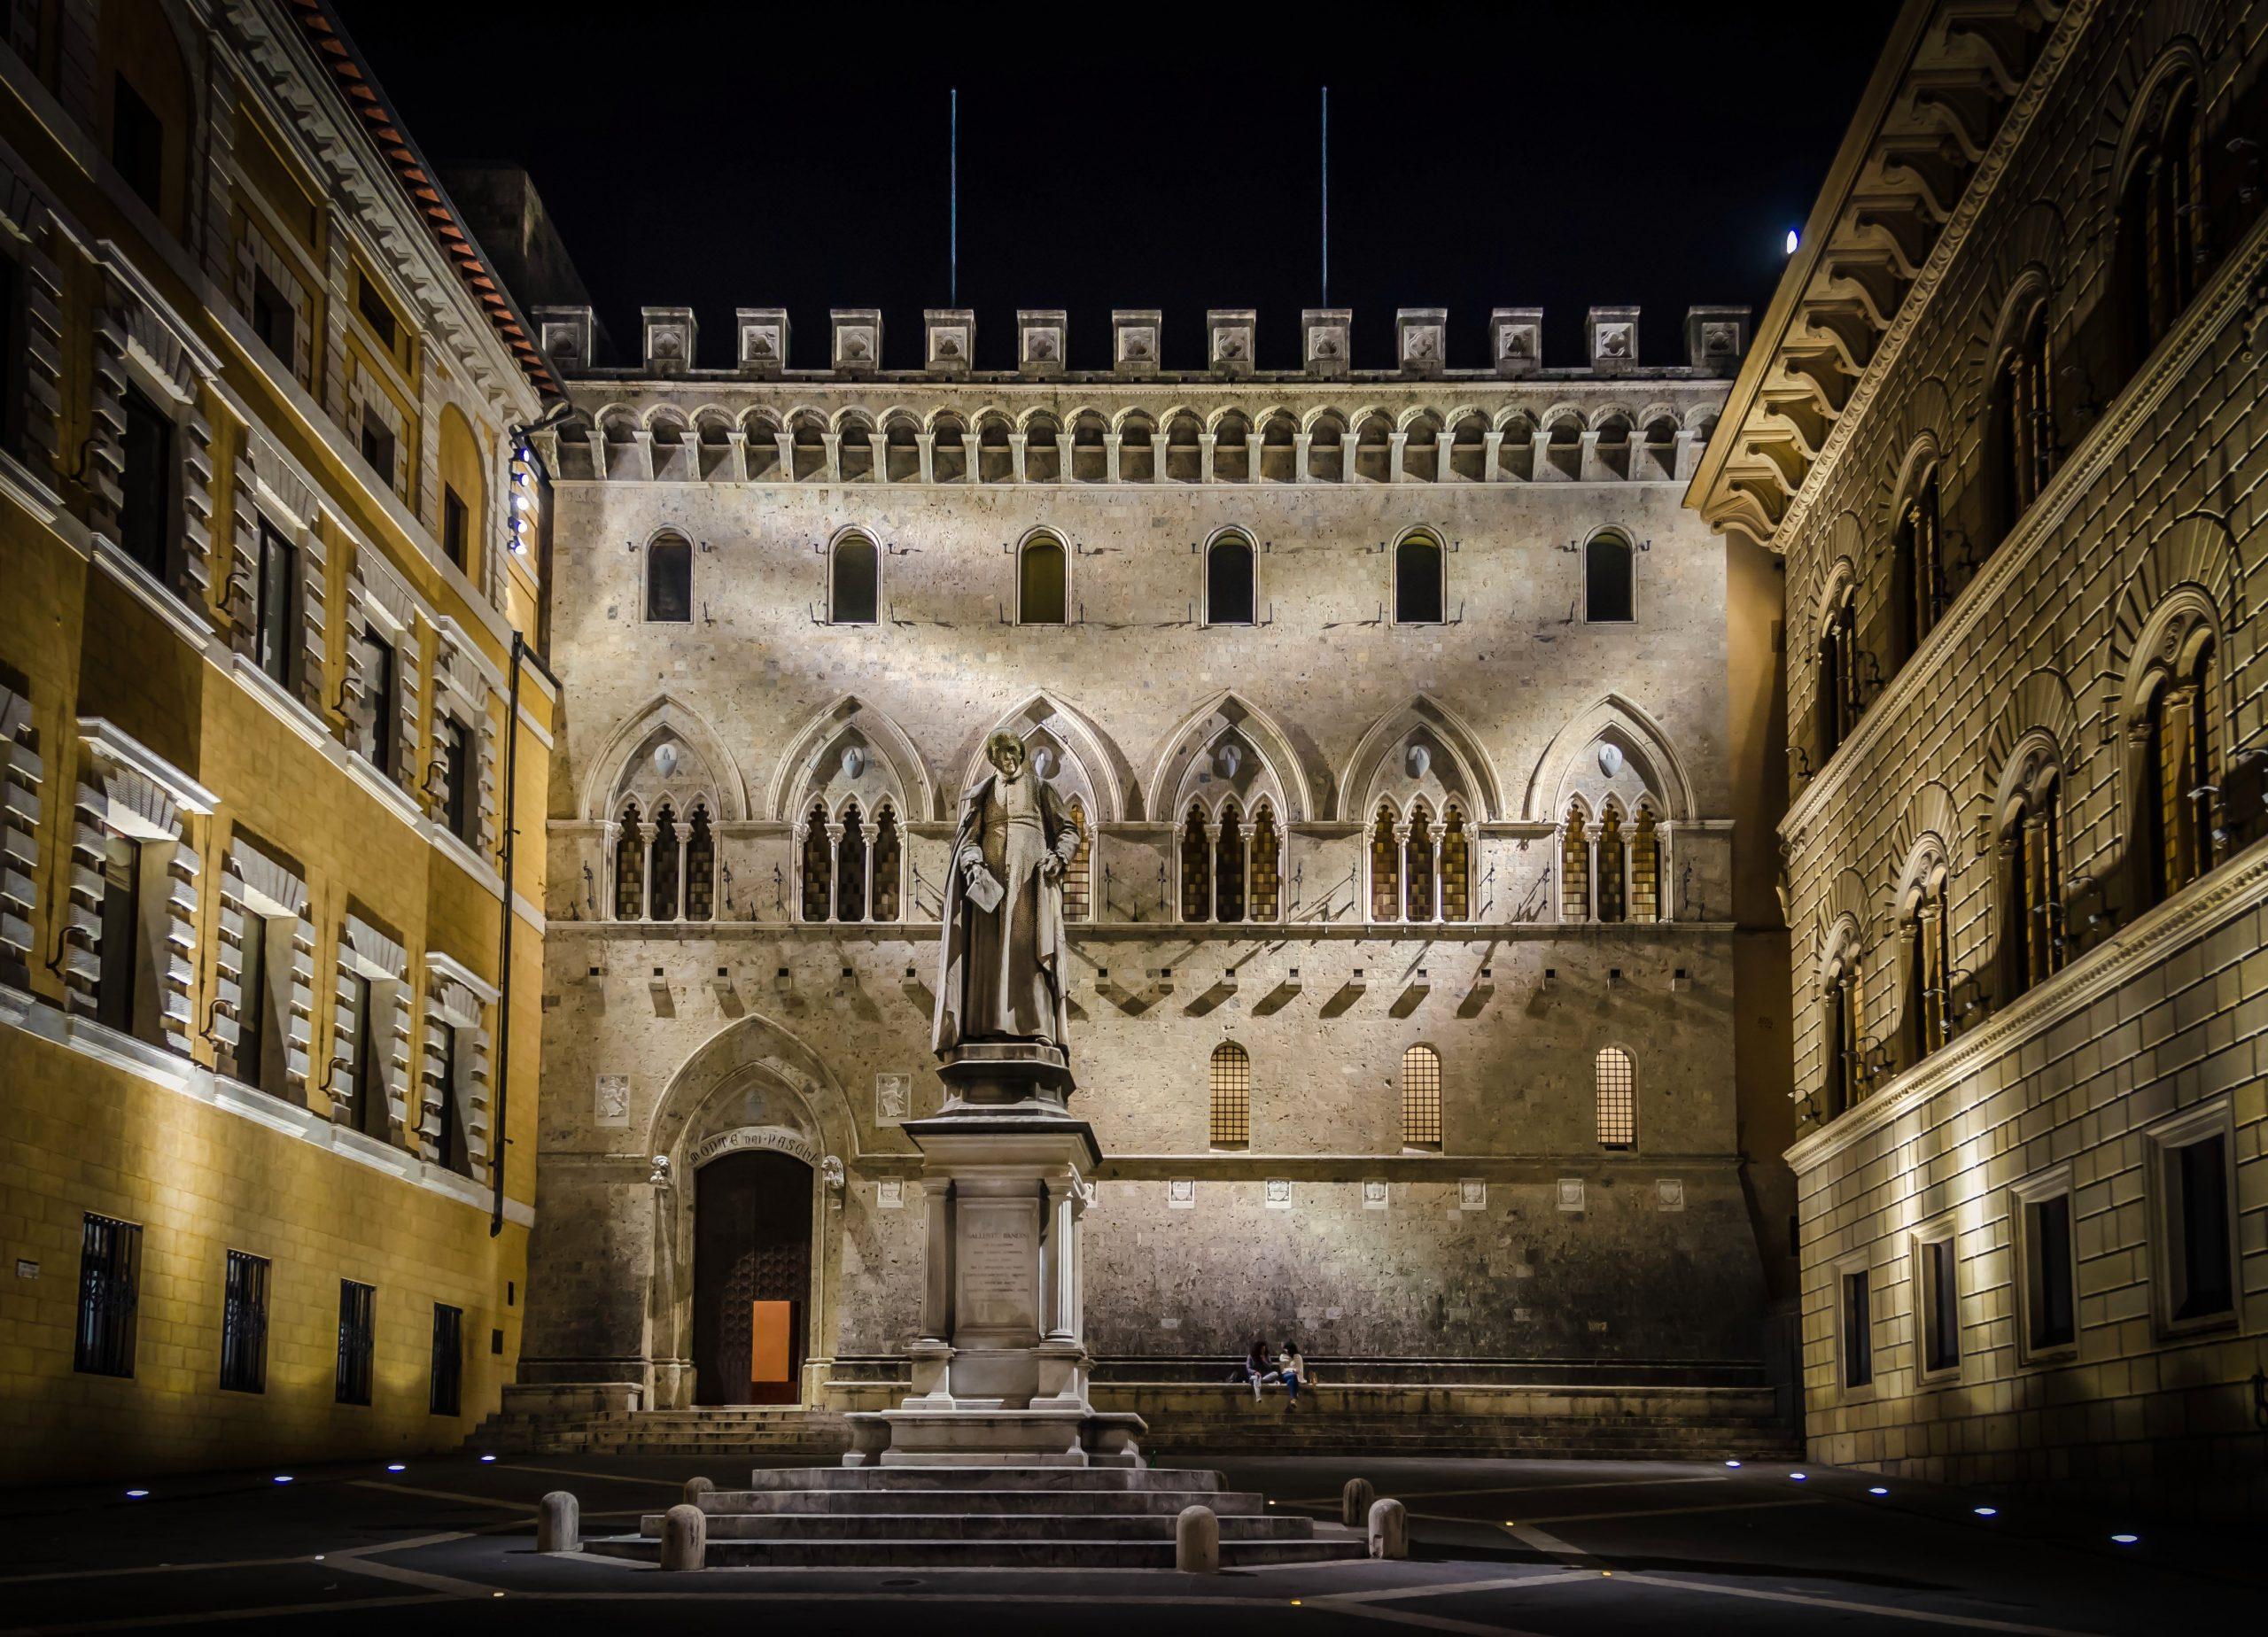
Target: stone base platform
[[935, 1516]]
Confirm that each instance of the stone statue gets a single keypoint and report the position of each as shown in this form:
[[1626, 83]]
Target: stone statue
[[1001, 967]]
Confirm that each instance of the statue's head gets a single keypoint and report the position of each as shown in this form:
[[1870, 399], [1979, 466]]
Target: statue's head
[[1006, 752]]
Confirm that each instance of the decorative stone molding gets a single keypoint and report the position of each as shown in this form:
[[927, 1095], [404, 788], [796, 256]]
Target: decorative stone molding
[[22, 773], [767, 1139], [256, 885], [366, 952], [459, 998], [26, 216]]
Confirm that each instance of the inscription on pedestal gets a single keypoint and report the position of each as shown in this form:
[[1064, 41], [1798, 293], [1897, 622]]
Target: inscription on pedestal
[[999, 1270]]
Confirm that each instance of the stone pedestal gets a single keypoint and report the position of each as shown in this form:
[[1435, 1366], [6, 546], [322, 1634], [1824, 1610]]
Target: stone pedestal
[[1000, 1370]]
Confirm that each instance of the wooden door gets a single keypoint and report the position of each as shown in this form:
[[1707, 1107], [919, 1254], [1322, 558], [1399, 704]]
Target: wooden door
[[752, 1278]]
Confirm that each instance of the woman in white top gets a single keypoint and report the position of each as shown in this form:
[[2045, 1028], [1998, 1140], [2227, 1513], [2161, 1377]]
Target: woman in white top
[[1294, 1370]]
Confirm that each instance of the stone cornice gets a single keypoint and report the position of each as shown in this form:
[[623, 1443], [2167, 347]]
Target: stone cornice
[[2226, 299], [2149, 940]]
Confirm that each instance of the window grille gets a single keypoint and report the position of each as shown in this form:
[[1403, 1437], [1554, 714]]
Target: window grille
[[850, 867], [1196, 868], [1232, 1096], [888, 863], [449, 1361], [1575, 870], [1419, 852], [244, 1324], [1457, 868], [358, 1306], [661, 893], [1421, 1098], [110, 1278], [1385, 868], [1267, 865], [1646, 868], [1228, 873], [1617, 1099], [1610, 895], [1077, 875], [818, 865], [630, 868], [700, 868]]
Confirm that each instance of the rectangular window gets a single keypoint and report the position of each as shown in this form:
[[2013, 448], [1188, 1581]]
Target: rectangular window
[[244, 1324], [1939, 1278], [2050, 1319], [15, 353], [278, 598], [2193, 1178], [456, 527], [1858, 1331], [448, 1359], [255, 1018], [370, 1082], [459, 809], [375, 312], [145, 521], [378, 445], [448, 1142], [110, 1278], [373, 713], [118, 958], [137, 143], [358, 1330], [272, 318]]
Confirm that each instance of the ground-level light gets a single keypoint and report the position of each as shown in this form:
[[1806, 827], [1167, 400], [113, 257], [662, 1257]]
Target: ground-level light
[[2125, 1539]]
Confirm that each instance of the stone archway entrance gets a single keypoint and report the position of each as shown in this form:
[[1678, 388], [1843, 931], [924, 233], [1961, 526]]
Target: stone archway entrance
[[751, 1277]]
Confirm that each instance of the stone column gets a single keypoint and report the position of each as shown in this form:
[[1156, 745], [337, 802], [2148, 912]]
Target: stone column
[[832, 442], [1064, 470], [1252, 448], [1395, 443], [1301, 442], [1443, 442], [1016, 441], [786, 442], [1110, 445], [927, 443], [735, 456], [1205, 445]]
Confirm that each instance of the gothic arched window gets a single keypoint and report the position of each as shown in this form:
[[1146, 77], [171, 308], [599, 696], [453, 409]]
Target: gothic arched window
[[818, 865], [1230, 1116], [1575, 868], [1040, 584], [662, 873], [1610, 593], [1613, 897], [1196, 868], [857, 582], [887, 860], [1646, 866], [1615, 1081], [850, 867], [700, 867], [669, 581], [1419, 595], [1417, 851], [1385, 867], [1421, 1098], [1078, 875], [1267, 865], [1228, 866], [630, 868], [1229, 594], [1457, 867]]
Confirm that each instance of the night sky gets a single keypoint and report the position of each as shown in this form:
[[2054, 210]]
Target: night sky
[[1514, 155]]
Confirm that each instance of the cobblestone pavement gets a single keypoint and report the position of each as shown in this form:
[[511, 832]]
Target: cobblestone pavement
[[1542, 1548]]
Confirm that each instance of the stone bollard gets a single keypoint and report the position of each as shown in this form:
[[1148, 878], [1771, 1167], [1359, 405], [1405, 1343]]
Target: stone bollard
[[1197, 1541], [559, 1523], [1355, 1503], [1389, 1529], [696, 1487], [684, 1538]]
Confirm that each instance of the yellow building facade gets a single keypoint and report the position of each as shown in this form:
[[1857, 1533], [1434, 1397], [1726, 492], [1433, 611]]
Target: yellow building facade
[[270, 963]]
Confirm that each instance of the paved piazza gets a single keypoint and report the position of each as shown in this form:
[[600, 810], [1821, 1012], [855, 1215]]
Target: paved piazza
[[1510, 1547]]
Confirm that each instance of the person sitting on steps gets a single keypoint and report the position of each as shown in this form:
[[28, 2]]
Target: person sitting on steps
[[1254, 1367], [1292, 1370]]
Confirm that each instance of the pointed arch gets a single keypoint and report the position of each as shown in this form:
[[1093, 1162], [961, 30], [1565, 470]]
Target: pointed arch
[[1190, 757], [1087, 764], [1454, 765], [664, 717], [1612, 718], [814, 764]]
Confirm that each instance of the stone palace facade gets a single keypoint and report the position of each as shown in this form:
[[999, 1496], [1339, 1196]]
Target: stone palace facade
[[1397, 710]]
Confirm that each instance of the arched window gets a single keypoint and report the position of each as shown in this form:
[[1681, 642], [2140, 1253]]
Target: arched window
[[662, 873], [1417, 851], [1610, 593], [1078, 875], [2023, 417], [1646, 866], [1229, 1121], [1457, 867], [1926, 931], [857, 582], [1229, 866], [1616, 1083], [850, 867], [1845, 1031], [669, 581], [700, 867], [1267, 865], [1838, 697], [629, 868], [2161, 249], [1196, 868], [2179, 778], [2031, 871], [1229, 598], [1575, 868], [887, 861], [1917, 565], [1385, 867], [818, 865], [1421, 1098], [1613, 896], [1040, 584], [1418, 596]]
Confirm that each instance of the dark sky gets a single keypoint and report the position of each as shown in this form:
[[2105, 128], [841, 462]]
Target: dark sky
[[767, 155]]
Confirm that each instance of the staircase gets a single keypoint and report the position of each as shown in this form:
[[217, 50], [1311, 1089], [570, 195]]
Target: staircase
[[931, 1517]]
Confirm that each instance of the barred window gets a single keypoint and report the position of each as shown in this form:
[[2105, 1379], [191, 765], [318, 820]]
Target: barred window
[[110, 1281], [358, 1306], [1232, 1096], [1228, 866], [1385, 867], [1196, 868], [887, 851], [1646, 867], [818, 865], [1575, 869], [1612, 898], [448, 1384], [1077, 875], [1418, 851], [1457, 868], [1421, 1098], [850, 867], [244, 1324], [1267, 865], [630, 868], [661, 896], [1618, 1099], [700, 867]]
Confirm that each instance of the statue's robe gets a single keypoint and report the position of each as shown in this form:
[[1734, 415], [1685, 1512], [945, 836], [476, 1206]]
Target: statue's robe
[[1001, 975]]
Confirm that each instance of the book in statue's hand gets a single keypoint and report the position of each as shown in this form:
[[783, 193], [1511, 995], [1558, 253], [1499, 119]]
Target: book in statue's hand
[[984, 888]]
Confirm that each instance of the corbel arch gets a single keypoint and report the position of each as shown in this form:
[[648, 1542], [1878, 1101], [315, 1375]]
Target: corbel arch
[[1650, 765], [850, 749], [666, 718], [1227, 746], [1421, 748]]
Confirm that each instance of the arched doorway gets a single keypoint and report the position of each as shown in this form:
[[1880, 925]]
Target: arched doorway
[[751, 1277]]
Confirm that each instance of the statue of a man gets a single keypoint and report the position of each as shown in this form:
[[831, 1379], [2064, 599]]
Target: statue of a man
[[1001, 967]]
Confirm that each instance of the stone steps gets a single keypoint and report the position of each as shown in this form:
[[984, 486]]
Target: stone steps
[[985, 1525], [987, 1479], [1123, 1502], [1336, 1544]]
